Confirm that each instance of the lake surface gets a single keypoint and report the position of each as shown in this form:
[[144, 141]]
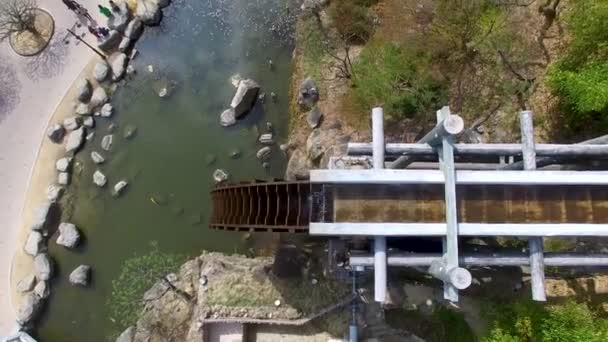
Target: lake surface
[[177, 146]]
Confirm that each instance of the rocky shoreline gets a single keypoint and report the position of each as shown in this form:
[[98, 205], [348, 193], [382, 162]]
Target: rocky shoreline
[[92, 107]]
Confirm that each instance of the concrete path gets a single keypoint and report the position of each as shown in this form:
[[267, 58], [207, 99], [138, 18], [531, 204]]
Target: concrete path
[[30, 89]]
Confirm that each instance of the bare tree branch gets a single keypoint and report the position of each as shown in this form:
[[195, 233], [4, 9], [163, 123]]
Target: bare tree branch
[[17, 16]]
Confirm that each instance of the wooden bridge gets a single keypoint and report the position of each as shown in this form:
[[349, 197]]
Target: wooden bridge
[[479, 195]]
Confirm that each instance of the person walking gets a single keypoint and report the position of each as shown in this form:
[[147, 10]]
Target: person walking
[[105, 11], [95, 32]]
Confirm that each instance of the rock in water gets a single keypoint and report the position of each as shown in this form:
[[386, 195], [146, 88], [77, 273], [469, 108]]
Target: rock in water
[[75, 140], [55, 133], [118, 67], [29, 309], [63, 178], [100, 72], [63, 164], [127, 335], [130, 70], [89, 122], [266, 139], [228, 117], [71, 123], [97, 158], [148, 12], [80, 276], [245, 97], [129, 131], [54, 192], [308, 94], [84, 90], [124, 45], [34, 243], [68, 235], [99, 179], [235, 80], [119, 187], [41, 214], [107, 110], [134, 29], [99, 98], [234, 154], [42, 290], [42, 267], [314, 117], [219, 176], [106, 142], [264, 153], [26, 284]]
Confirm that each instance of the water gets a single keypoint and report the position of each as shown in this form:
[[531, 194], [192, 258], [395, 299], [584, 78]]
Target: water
[[199, 46]]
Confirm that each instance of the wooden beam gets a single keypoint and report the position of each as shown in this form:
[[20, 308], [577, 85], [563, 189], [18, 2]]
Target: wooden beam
[[464, 229], [549, 150]]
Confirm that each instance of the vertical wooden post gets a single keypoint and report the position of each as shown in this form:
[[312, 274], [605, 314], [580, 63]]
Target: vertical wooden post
[[535, 245]]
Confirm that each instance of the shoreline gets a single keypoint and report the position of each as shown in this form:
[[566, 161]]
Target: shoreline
[[43, 174]]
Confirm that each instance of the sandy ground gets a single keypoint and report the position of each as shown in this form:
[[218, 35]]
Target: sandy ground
[[39, 84]]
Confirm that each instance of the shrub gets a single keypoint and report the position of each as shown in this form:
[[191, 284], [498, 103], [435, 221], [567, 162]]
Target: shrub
[[529, 321], [137, 275], [386, 75], [442, 325], [351, 19], [580, 77]]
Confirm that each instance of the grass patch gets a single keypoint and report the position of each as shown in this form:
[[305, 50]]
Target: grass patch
[[137, 275], [441, 326], [529, 321], [387, 75]]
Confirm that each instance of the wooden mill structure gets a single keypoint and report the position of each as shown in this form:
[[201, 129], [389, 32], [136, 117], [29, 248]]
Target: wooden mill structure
[[454, 197]]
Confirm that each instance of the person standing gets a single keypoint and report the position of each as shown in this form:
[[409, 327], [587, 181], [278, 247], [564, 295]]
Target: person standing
[[95, 32], [105, 11]]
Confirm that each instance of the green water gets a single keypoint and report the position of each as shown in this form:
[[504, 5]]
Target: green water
[[198, 47]]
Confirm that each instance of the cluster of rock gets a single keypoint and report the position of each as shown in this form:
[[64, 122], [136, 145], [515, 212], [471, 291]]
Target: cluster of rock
[[92, 102]]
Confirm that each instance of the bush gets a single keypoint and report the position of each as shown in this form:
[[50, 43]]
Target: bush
[[351, 19], [529, 321], [137, 275], [580, 77], [385, 75], [442, 325]]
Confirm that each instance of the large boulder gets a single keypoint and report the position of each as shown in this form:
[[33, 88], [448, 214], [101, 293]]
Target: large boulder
[[56, 133], [29, 309], [245, 97], [99, 179], [266, 139], [26, 284], [83, 109], [298, 167], [80, 276], [106, 142], [84, 90], [118, 67], [148, 12], [119, 187], [63, 164], [75, 140], [124, 45], [88, 122], [134, 29], [313, 118], [68, 235], [163, 3], [308, 94], [220, 176], [111, 42], [63, 178], [99, 98], [100, 72], [97, 158], [34, 243], [41, 215], [42, 289], [120, 18], [43, 267], [228, 117], [263, 154], [107, 110]]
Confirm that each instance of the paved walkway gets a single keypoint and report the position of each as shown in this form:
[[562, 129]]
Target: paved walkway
[[30, 90]]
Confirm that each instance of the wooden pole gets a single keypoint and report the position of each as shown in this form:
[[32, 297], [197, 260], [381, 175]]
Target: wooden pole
[[549, 150], [535, 244], [87, 44]]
